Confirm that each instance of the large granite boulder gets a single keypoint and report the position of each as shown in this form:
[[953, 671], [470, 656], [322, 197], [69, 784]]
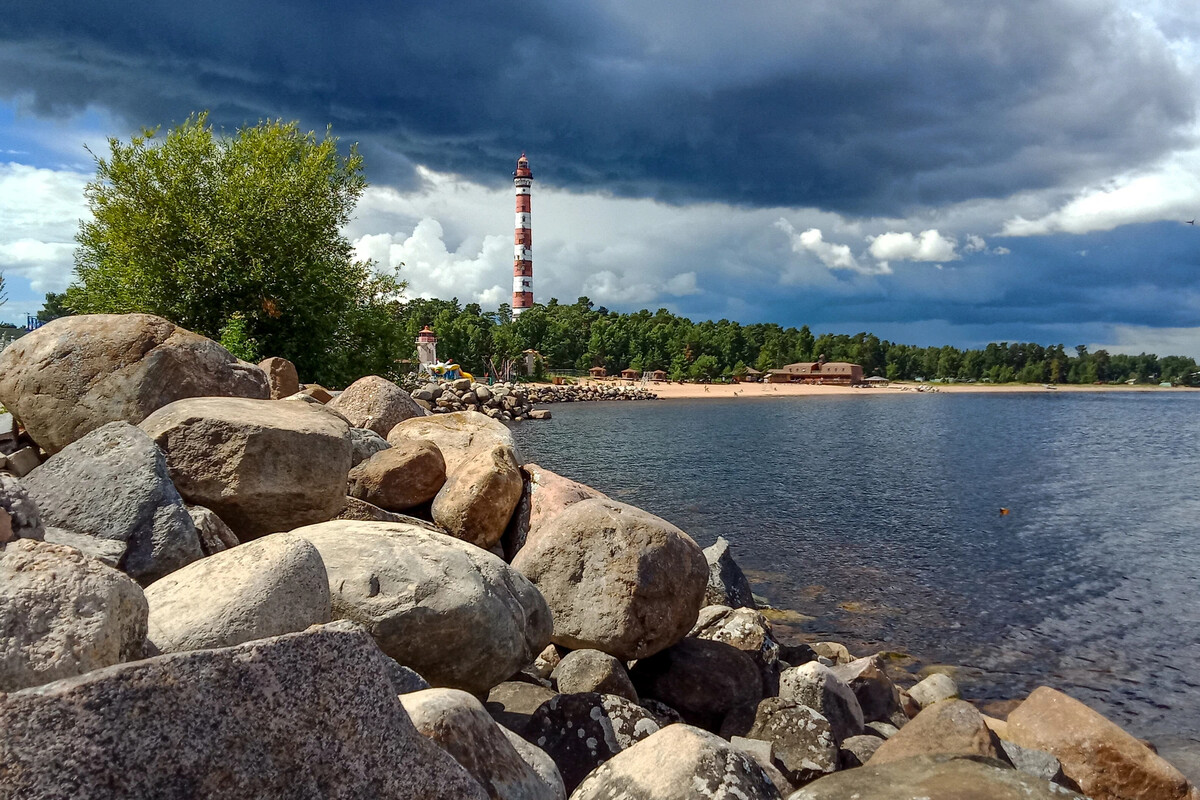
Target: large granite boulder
[[63, 614], [545, 494], [282, 378], [617, 578], [727, 584], [458, 723], [816, 686], [19, 515], [582, 731], [678, 762], [458, 615], [934, 689], [376, 404], [803, 743], [268, 587], [1106, 762], [271, 718], [701, 679], [75, 374], [952, 727], [262, 466], [933, 778], [513, 703], [592, 671], [114, 484], [401, 477], [477, 504]]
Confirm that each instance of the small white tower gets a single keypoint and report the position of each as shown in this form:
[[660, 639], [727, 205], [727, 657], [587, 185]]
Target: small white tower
[[426, 347]]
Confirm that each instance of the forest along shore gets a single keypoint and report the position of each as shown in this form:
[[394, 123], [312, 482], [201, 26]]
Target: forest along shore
[[689, 391]]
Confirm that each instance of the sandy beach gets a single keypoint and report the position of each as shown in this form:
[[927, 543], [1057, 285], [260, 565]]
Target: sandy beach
[[676, 391]]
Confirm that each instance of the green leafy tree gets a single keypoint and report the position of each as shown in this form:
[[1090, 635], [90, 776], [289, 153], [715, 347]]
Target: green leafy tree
[[197, 226], [54, 306]]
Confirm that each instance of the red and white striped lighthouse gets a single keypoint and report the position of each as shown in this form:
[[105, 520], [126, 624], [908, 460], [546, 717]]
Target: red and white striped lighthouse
[[522, 240]]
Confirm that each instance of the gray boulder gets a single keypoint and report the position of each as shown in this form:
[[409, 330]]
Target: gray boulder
[[933, 689], [365, 443], [376, 404], [513, 703], [268, 718], [545, 494], [458, 615], [107, 551], [804, 745], [933, 778], [215, 535], [63, 614], [747, 630], [362, 511], [77, 373], [268, 587], [281, 377], [401, 477], [542, 764], [727, 584], [593, 671], [262, 466], [701, 679], [19, 515], [114, 484], [617, 578], [582, 731], [457, 722], [951, 727], [679, 763], [878, 697], [1037, 763], [857, 750], [816, 686]]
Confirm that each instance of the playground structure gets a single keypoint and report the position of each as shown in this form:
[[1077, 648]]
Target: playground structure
[[446, 371]]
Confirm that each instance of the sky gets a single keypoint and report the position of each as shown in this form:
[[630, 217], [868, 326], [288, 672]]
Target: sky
[[932, 172]]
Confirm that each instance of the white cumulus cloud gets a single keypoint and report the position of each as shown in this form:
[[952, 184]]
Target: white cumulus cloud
[[928, 245], [833, 256], [40, 211]]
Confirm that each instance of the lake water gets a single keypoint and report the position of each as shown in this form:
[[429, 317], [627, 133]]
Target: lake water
[[879, 517]]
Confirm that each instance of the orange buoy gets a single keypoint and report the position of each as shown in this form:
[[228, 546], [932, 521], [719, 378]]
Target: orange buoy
[[1004, 512]]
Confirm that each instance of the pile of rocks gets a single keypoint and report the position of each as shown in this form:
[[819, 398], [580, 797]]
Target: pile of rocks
[[578, 393], [503, 401], [206, 592]]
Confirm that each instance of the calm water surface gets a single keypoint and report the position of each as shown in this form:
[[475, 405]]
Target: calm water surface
[[879, 517]]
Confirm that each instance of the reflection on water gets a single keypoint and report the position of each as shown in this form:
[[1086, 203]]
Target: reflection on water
[[878, 516]]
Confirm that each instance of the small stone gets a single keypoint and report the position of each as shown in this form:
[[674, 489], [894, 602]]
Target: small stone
[[23, 462], [593, 671], [933, 689]]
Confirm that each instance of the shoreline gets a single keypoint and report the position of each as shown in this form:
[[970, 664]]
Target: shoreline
[[696, 391]]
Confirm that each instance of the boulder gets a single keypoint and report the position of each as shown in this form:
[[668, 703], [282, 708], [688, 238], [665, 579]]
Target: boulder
[[816, 686], [316, 391], [802, 740], [404, 680], [114, 484], [582, 731], [933, 778], [933, 689], [593, 671], [617, 578], [727, 584], [63, 614], [22, 462], [74, 374], [215, 536], [951, 727], [376, 404], [281, 377], [834, 651], [268, 587], [461, 436], [362, 511], [457, 722], [747, 630], [679, 763], [268, 718], [512, 703], [700, 679], [107, 551], [542, 764], [19, 514], [458, 615], [877, 695], [857, 750], [364, 444], [1037, 763], [543, 666], [546, 493], [1106, 762], [401, 477], [262, 466]]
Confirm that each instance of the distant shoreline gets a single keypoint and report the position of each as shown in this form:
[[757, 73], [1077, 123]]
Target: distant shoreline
[[695, 391]]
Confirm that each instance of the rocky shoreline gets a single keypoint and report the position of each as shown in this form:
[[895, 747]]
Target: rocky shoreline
[[513, 402], [216, 584]]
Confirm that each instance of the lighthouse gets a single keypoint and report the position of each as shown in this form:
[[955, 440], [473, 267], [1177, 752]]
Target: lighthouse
[[522, 240]]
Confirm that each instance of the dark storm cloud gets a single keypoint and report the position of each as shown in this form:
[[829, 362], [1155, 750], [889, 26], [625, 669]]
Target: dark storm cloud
[[869, 107]]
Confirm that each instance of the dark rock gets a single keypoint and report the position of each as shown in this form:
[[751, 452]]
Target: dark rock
[[404, 680], [803, 742], [512, 703], [592, 671], [857, 750], [877, 695], [215, 536], [727, 585], [700, 679]]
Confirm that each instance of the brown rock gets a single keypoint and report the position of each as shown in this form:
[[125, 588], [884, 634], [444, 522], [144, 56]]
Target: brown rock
[[951, 727], [362, 511], [1106, 762], [512, 703], [75, 374], [317, 392], [376, 404], [478, 498], [262, 466], [546, 494], [400, 477], [281, 375]]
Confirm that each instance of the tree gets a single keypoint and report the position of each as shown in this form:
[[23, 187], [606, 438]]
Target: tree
[[54, 306], [198, 226]]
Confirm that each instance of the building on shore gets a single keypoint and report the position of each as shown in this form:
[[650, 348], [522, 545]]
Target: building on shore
[[598, 372], [522, 239], [877, 380], [819, 373], [426, 347], [655, 375], [751, 375], [630, 374]]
